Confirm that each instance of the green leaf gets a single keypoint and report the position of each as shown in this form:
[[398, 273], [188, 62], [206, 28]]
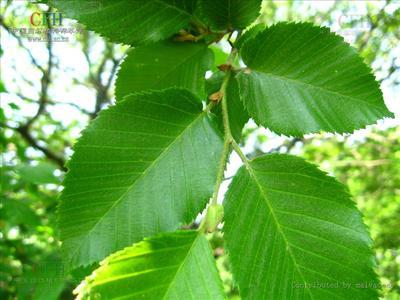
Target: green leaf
[[220, 57], [2, 115], [144, 166], [236, 112], [289, 225], [304, 79], [249, 35], [176, 265], [40, 174], [18, 212], [2, 88], [13, 105], [130, 22], [163, 65], [229, 14], [45, 281]]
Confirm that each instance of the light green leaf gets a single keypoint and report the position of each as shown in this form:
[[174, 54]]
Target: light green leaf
[[130, 22], [288, 225], [176, 265], [40, 174], [237, 114], [163, 65], [304, 79], [144, 166], [229, 14], [220, 57]]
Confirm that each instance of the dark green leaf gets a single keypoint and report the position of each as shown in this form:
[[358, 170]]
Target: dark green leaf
[[304, 79], [288, 226], [13, 106], [130, 22], [249, 35], [2, 115], [176, 265], [214, 83], [17, 212], [229, 14], [163, 65], [236, 112], [2, 87], [144, 166], [45, 281]]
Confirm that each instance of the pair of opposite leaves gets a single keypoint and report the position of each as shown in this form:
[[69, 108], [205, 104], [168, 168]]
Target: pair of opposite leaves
[[300, 79]]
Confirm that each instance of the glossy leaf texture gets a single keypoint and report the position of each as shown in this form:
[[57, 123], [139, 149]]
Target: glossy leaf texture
[[292, 232], [237, 114], [177, 265], [229, 14], [131, 22], [144, 166], [163, 65], [304, 79]]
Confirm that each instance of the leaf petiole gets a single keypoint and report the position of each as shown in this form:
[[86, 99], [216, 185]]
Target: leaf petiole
[[229, 142]]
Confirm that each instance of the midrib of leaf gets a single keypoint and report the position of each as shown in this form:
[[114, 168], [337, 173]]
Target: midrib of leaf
[[173, 7], [326, 90], [142, 24], [181, 265], [110, 24], [129, 296], [162, 3], [194, 242], [148, 253], [104, 8], [129, 275], [229, 13], [165, 151], [278, 226]]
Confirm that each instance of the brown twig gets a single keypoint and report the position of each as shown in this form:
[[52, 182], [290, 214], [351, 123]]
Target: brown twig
[[27, 136]]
